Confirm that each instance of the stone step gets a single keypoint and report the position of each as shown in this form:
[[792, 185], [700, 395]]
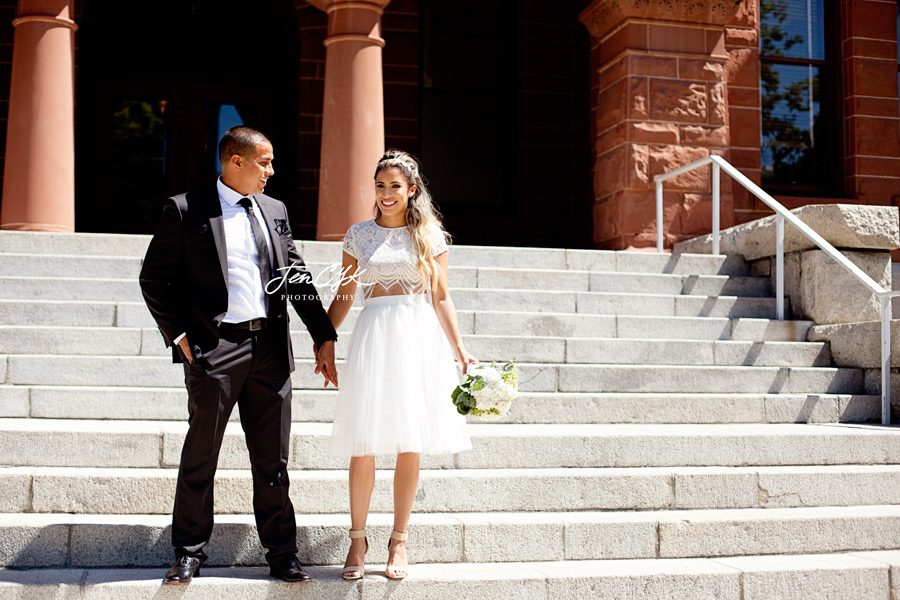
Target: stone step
[[850, 576], [159, 371], [596, 311], [170, 404], [79, 244], [123, 341], [46, 265], [128, 289], [676, 352], [16, 313], [152, 491], [157, 444], [55, 266], [611, 326], [686, 379], [54, 540], [135, 246], [611, 281]]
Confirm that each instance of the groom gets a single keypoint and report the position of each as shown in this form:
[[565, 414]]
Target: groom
[[203, 279]]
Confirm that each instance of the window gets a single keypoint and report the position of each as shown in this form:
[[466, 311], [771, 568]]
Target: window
[[220, 117], [800, 143]]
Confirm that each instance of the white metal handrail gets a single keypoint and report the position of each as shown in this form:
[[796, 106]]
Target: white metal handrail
[[782, 214]]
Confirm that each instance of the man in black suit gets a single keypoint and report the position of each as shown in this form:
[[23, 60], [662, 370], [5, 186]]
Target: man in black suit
[[204, 279]]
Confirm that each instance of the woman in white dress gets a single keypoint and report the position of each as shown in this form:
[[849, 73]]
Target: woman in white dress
[[395, 386]]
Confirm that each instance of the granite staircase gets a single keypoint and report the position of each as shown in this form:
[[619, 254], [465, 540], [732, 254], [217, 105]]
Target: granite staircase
[[672, 441]]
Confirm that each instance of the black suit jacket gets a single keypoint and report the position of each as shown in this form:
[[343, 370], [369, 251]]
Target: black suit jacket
[[184, 274]]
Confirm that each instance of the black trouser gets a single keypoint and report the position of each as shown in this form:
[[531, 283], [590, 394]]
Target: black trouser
[[247, 368]]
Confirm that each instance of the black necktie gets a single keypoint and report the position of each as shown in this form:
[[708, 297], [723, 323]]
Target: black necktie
[[262, 249]]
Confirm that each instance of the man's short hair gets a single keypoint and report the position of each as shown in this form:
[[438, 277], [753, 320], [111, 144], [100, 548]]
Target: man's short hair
[[240, 140]]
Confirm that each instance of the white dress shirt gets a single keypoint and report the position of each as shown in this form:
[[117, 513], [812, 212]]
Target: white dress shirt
[[245, 289]]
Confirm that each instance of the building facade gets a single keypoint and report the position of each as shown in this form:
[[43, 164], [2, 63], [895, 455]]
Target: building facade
[[538, 123]]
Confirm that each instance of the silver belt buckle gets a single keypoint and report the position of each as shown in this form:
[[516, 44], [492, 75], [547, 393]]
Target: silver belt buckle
[[255, 324]]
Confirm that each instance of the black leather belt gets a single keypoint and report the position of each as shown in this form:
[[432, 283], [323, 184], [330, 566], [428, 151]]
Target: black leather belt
[[251, 325]]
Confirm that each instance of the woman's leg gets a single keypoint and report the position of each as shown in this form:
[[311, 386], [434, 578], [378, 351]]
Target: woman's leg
[[362, 482], [406, 479]]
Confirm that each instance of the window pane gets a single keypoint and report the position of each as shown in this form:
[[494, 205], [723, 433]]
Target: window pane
[[791, 125], [220, 117], [792, 28], [228, 118], [137, 162]]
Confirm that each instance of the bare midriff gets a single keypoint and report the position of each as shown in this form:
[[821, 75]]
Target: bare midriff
[[394, 290]]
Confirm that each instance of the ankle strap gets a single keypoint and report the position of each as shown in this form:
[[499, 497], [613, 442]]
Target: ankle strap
[[396, 535], [357, 533]]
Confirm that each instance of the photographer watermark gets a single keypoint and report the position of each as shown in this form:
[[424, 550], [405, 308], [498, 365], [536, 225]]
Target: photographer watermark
[[325, 279]]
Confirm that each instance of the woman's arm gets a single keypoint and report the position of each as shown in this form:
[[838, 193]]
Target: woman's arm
[[343, 300], [446, 314]]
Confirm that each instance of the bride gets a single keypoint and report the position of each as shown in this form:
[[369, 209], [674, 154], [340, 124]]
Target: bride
[[395, 392]]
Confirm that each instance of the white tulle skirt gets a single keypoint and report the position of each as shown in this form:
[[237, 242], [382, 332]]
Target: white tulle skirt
[[395, 386]]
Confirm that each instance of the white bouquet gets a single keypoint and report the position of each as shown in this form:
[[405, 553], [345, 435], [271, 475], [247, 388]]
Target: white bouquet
[[487, 391]]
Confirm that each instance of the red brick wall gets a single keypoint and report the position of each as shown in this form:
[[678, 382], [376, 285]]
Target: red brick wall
[[871, 123], [312, 23], [742, 69], [7, 32], [400, 28]]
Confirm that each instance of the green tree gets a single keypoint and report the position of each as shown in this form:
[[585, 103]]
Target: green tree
[[137, 170]]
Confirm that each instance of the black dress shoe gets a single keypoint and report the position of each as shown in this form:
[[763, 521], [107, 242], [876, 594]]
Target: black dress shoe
[[184, 569], [289, 569]]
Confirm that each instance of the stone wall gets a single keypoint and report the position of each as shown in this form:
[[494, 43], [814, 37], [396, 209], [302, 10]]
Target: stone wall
[[816, 287], [663, 70], [871, 116], [656, 111], [742, 76]]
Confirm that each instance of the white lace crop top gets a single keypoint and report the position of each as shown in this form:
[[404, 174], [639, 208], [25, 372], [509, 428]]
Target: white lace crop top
[[387, 259]]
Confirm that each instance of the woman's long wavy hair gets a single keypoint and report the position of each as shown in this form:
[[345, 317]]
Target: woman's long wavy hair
[[421, 215]]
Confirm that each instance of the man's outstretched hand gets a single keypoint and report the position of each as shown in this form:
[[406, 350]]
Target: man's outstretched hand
[[325, 363]]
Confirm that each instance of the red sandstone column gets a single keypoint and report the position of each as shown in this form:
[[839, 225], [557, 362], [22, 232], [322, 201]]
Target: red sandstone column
[[352, 115], [39, 174], [660, 101]]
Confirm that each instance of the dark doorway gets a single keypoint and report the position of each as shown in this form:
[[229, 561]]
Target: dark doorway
[[159, 82], [505, 120]]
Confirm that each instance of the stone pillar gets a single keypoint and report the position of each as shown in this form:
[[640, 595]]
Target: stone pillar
[[871, 124], [39, 171], [353, 114], [660, 102]]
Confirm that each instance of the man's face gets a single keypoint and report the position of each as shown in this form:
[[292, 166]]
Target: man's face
[[248, 174]]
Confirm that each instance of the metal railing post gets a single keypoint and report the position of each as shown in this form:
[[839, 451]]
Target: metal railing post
[[779, 267], [715, 208], [659, 217], [885, 360]]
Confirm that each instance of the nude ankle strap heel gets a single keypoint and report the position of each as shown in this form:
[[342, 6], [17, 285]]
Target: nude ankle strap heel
[[393, 572], [354, 572]]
